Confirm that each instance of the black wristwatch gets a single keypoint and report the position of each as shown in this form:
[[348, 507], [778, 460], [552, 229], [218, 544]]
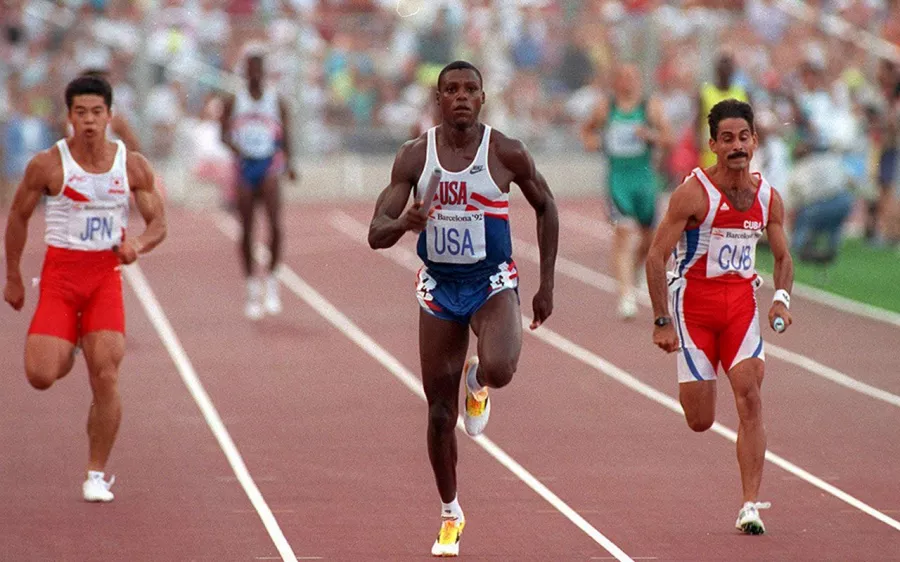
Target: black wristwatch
[[662, 321]]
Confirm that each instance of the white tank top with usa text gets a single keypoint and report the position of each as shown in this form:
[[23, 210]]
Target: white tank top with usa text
[[468, 222], [90, 213], [256, 124]]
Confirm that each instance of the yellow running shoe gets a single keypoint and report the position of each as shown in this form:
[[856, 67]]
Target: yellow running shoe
[[478, 405], [447, 542]]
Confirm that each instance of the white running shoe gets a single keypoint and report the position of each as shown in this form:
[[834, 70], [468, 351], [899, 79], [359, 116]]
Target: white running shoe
[[447, 542], [748, 520], [253, 310], [628, 308], [478, 404], [96, 489], [273, 300]]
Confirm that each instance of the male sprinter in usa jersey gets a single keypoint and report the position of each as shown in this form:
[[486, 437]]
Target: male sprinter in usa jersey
[[255, 127], [716, 218], [87, 181], [469, 279]]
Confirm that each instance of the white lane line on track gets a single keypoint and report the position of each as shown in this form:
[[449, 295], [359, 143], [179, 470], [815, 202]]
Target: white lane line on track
[[357, 230], [346, 326], [606, 283], [157, 316], [600, 230]]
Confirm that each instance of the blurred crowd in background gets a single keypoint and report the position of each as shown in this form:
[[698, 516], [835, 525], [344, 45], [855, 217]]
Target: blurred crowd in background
[[359, 75]]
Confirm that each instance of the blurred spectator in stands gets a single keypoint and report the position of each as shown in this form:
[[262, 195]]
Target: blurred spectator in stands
[[773, 156], [767, 19], [819, 192], [885, 136], [576, 68], [24, 135], [199, 141], [436, 43], [722, 88]]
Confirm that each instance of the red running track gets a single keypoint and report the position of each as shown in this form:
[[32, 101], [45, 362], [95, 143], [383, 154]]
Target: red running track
[[335, 443]]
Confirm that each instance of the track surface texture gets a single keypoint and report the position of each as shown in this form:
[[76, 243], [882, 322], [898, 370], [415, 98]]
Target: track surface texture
[[315, 405]]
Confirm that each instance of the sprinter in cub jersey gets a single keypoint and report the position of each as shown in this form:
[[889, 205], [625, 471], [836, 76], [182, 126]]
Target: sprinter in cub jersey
[[87, 181], [469, 279], [716, 218]]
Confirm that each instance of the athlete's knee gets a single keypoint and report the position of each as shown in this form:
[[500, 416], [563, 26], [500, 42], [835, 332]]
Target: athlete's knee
[[699, 423], [42, 374], [749, 405], [40, 378], [442, 417], [105, 381], [748, 394], [497, 372]]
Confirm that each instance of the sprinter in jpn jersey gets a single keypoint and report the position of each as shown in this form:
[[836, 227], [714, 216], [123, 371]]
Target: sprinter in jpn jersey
[[468, 279], [715, 219], [87, 181]]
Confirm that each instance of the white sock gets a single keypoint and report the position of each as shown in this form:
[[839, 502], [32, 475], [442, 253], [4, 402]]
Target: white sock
[[472, 380], [96, 473], [254, 287], [452, 509]]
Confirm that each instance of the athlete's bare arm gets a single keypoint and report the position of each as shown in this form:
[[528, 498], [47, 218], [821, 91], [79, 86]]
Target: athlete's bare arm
[[783, 274], [225, 120], [390, 222], [149, 203], [516, 158], [123, 130], [590, 135], [286, 145], [686, 209], [34, 184]]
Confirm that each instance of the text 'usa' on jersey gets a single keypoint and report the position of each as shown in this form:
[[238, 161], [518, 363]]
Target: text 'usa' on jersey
[[467, 234]]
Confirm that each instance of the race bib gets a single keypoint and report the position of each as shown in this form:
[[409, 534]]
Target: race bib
[[732, 250], [622, 140], [256, 140], [456, 237], [95, 225]]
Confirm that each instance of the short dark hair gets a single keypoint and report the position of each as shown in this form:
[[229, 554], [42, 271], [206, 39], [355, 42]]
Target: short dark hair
[[728, 109], [87, 85], [95, 71], [459, 65]]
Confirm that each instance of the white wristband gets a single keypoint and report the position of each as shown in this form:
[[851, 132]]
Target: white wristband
[[783, 297]]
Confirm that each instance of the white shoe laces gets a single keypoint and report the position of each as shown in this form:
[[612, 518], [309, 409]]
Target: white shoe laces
[[758, 505], [98, 479]]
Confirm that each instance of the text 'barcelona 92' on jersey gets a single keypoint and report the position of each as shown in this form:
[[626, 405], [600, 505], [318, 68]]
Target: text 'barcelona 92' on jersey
[[467, 234], [723, 246]]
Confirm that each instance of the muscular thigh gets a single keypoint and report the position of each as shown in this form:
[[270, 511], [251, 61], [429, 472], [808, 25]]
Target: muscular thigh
[[498, 325], [56, 315], [270, 191], [695, 309], [105, 309], [61, 297], [246, 199], [741, 338], [47, 354], [443, 345]]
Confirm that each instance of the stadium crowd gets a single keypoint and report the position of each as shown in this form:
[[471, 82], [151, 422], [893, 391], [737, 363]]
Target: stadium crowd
[[359, 75]]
